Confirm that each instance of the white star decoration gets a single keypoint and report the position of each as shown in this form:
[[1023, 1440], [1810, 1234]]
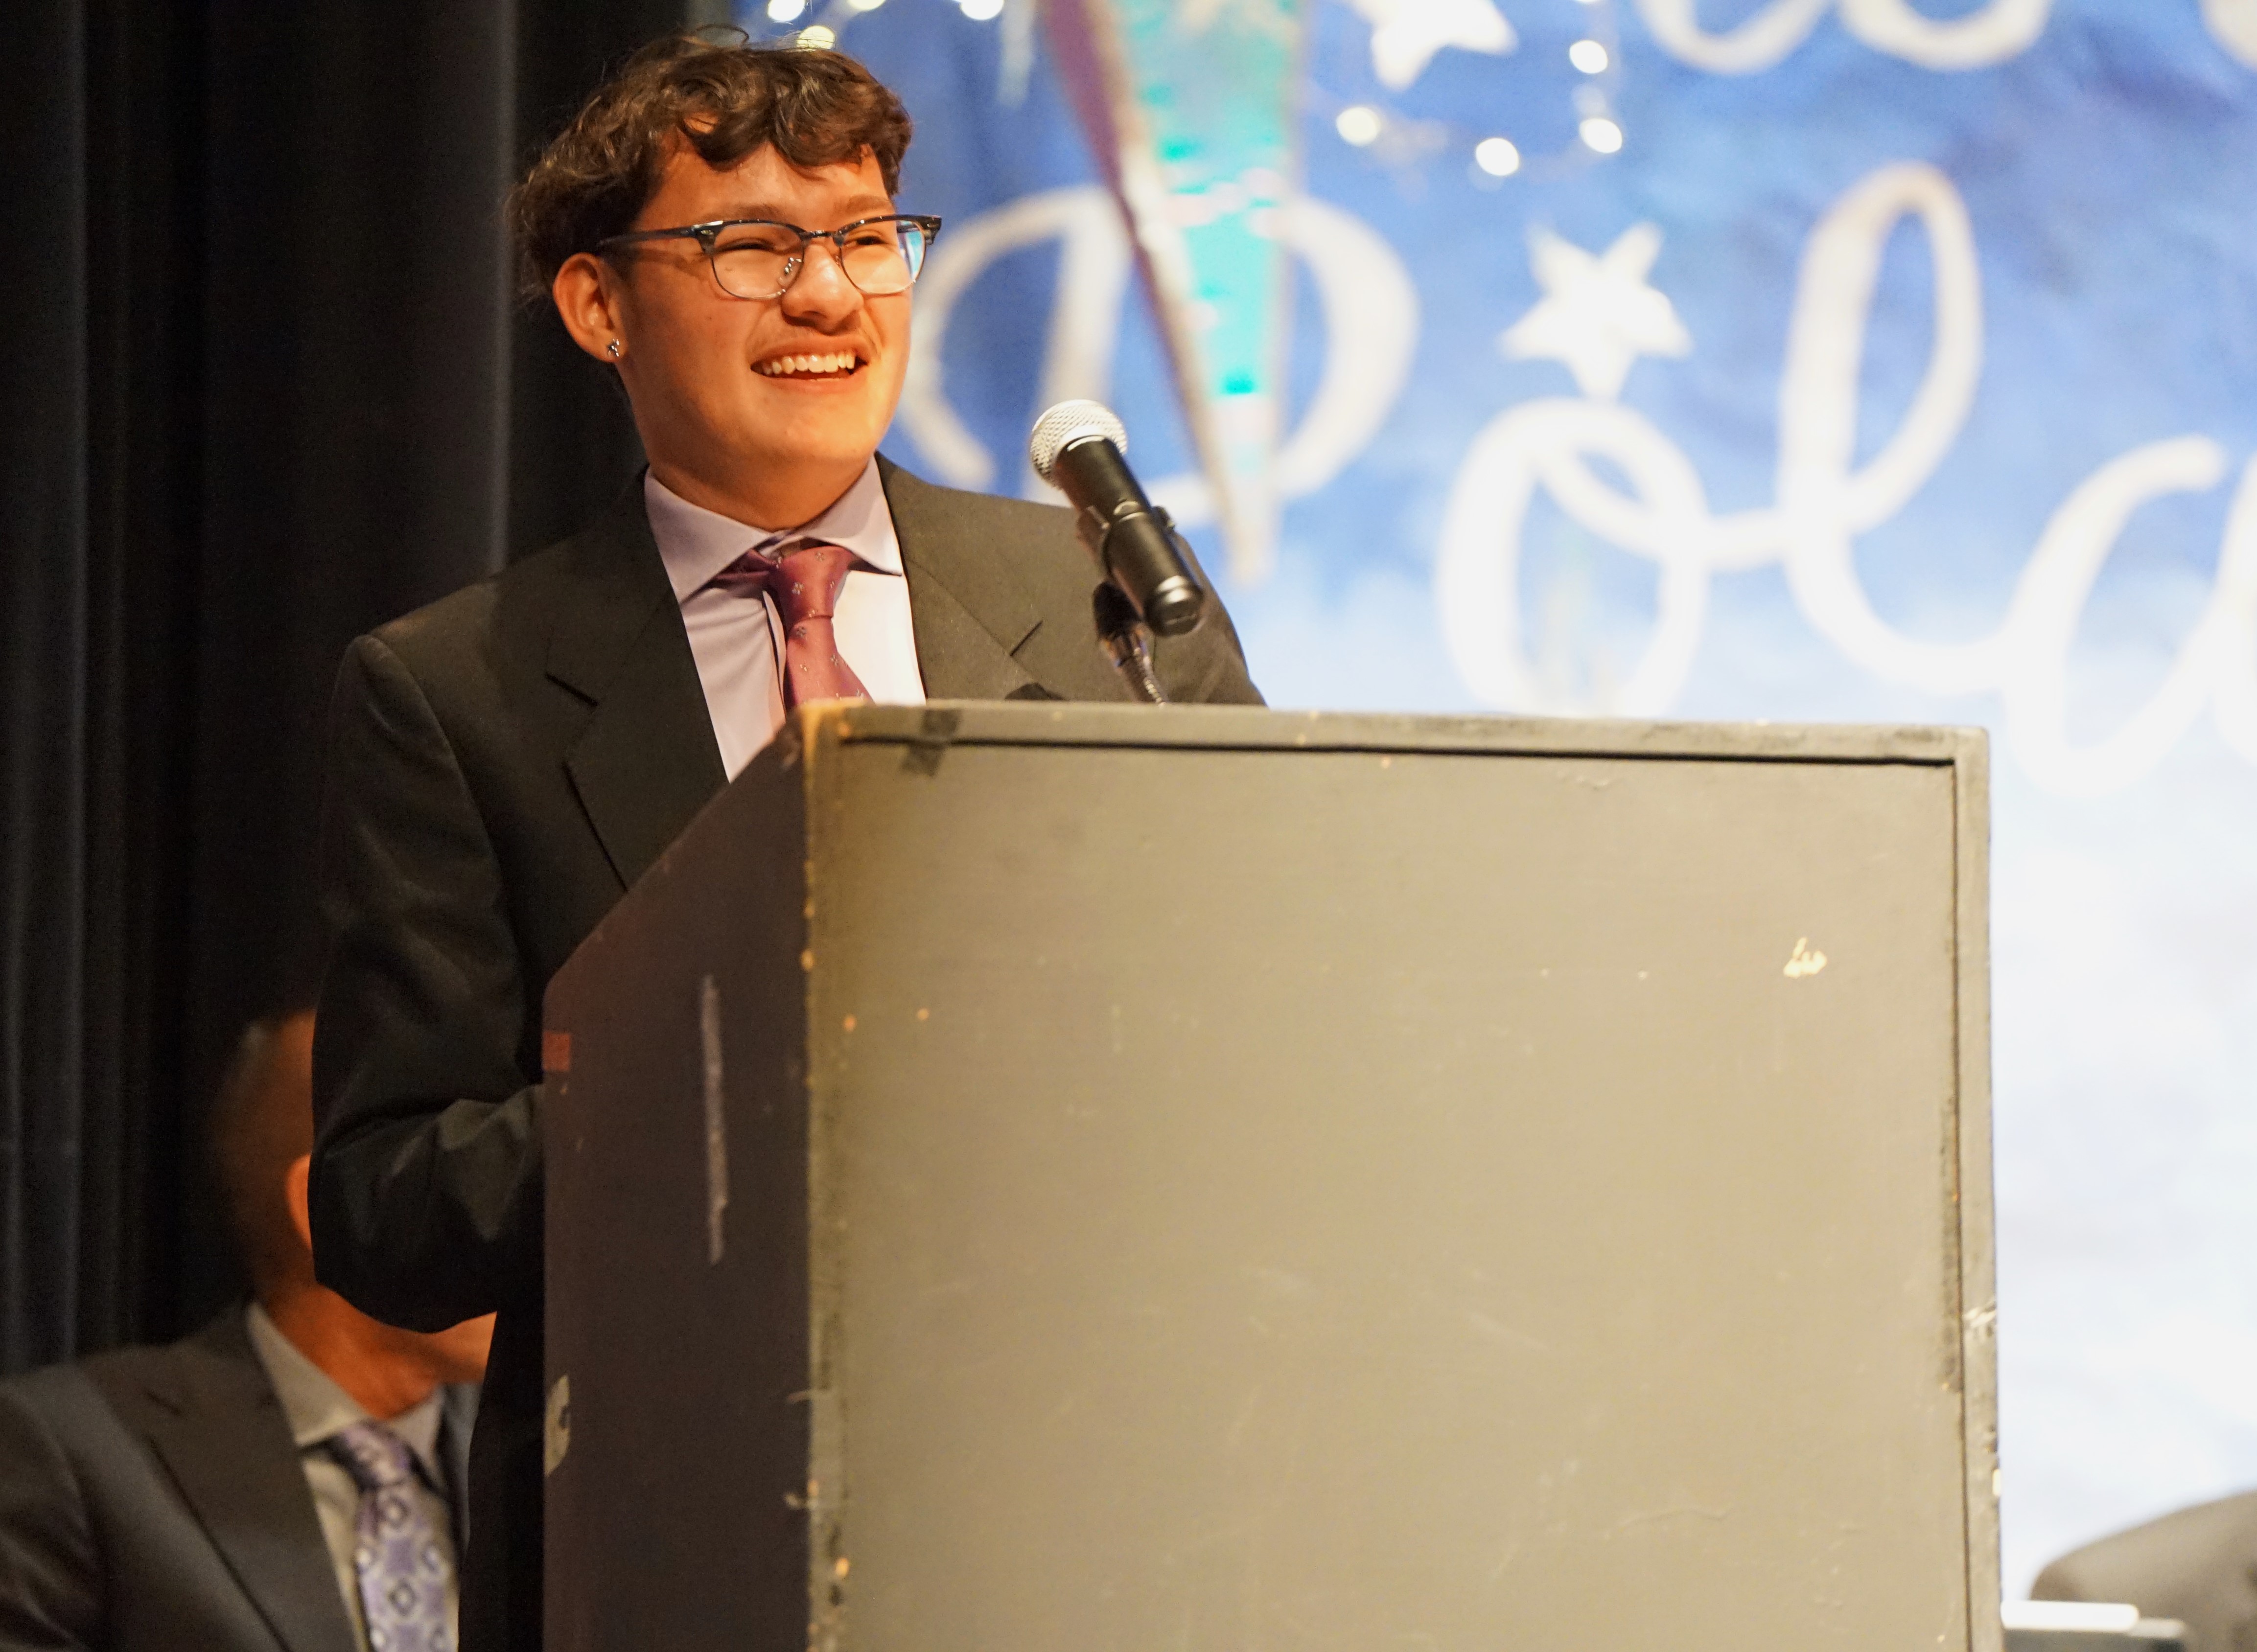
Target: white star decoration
[[1597, 313], [1405, 34]]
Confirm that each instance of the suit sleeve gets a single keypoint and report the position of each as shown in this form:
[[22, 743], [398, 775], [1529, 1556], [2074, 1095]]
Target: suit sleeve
[[51, 1579], [426, 1189], [1207, 666]]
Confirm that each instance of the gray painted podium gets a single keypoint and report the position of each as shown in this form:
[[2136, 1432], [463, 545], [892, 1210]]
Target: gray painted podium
[[1111, 1179]]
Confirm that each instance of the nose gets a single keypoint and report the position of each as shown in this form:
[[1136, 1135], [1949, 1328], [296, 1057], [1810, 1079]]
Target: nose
[[820, 290]]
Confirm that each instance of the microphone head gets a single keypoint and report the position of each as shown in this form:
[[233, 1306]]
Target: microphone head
[[1067, 423]]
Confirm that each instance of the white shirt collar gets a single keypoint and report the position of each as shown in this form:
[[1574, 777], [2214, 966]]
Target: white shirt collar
[[317, 1408], [696, 543]]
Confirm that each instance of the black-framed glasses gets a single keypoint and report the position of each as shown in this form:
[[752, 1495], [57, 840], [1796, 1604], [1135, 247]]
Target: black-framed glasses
[[758, 258]]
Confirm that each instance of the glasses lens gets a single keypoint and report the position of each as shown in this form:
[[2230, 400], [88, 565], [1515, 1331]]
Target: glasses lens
[[884, 256], [754, 260]]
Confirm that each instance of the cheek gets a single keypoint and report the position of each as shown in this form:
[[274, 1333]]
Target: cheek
[[893, 332], [893, 316], [704, 347]]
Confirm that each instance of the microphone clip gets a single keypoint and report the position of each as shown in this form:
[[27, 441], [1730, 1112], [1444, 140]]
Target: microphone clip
[[1127, 643]]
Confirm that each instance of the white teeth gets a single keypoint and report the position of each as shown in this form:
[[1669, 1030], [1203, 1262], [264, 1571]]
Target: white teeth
[[835, 362]]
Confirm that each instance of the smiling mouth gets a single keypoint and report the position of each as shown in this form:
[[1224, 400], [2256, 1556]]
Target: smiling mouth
[[818, 364]]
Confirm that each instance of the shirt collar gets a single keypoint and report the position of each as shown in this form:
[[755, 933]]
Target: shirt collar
[[696, 543], [317, 1408]]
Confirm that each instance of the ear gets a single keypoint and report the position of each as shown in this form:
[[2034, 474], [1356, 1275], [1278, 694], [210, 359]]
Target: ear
[[293, 1191], [588, 295]]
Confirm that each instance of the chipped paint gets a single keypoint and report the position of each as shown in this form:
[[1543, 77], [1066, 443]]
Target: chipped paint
[[717, 1120], [557, 1425], [1678, 1511], [935, 732]]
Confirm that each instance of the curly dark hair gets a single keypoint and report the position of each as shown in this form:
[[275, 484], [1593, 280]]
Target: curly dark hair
[[724, 98]]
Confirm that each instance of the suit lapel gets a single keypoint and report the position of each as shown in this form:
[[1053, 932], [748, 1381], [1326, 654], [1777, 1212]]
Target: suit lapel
[[646, 762], [969, 614], [210, 1415]]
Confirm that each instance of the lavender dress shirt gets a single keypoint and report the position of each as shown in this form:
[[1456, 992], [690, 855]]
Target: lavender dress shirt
[[738, 641]]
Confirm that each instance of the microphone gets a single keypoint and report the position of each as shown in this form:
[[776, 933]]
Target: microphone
[[1076, 446]]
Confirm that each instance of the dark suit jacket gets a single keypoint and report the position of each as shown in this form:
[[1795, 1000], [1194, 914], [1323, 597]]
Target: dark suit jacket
[[502, 764], [153, 1499], [2198, 1566]]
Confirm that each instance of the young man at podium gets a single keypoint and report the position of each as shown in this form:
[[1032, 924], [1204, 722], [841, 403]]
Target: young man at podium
[[718, 225]]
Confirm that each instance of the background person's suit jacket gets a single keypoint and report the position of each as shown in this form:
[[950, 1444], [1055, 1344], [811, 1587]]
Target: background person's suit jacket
[[151, 1501], [2197, 1565], [502, 766]]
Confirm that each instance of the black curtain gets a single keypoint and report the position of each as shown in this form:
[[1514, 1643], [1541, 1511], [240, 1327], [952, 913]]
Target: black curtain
[[268, 387]]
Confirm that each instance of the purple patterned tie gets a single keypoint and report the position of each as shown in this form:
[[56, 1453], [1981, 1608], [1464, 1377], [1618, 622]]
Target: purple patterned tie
[[397, 1552], [804, 578]]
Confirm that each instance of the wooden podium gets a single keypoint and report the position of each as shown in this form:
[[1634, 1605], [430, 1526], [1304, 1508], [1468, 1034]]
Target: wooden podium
[[1108, 1179]]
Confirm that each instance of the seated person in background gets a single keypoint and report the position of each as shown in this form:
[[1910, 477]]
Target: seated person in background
[[288, 1479], [2198, 1566]]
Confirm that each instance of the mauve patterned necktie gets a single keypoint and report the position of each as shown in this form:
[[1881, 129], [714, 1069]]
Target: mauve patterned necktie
[[804, 578], [397, 1554]]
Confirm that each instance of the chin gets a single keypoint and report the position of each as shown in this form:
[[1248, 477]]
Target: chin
[[827, 443], [819, 421], [460, 1350]]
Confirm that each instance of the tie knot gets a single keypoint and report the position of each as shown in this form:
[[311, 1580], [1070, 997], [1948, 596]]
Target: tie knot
[[373, 1455], [803, 576]]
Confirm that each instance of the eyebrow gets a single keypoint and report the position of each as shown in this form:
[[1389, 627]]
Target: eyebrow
[[859, 206]]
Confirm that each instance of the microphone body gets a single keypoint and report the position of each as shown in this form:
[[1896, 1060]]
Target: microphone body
[[1076, 447]]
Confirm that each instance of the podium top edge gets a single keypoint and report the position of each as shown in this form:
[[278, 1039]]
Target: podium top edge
[[1253, 728]]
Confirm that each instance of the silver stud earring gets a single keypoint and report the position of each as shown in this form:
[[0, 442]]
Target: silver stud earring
[[614, 348]]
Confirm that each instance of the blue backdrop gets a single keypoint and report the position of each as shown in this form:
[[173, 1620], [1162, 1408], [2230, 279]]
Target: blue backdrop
[[1898, 366]]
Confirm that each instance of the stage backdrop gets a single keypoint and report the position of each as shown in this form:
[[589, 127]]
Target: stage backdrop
[[1809, 359]]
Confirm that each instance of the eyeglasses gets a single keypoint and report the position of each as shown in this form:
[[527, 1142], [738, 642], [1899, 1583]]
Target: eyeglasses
[[757, 259]]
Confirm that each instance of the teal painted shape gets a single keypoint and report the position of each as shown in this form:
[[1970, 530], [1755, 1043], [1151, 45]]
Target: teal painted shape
[[1216, 86]]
